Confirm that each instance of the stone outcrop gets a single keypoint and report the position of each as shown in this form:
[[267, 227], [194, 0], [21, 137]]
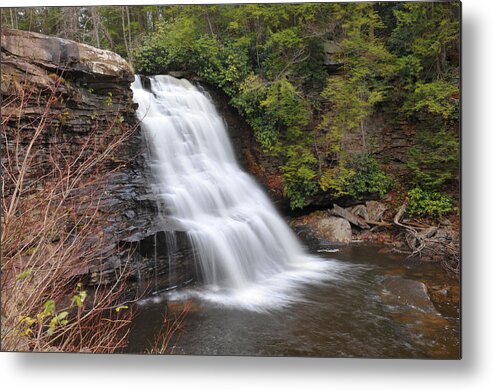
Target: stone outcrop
[[334, 230], [330, 50], [89, 89], [390, 139], [50, 53]]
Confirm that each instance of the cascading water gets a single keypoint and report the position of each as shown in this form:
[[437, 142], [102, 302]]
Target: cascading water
[[247, 254]]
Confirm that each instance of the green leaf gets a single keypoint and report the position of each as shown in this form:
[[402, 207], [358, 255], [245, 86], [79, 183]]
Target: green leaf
[[49, 307], [23, 275], [62, 315], [121, 307]]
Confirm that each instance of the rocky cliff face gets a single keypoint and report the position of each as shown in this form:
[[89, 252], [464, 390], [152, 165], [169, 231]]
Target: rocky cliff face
[[90, 93], [88, 88]]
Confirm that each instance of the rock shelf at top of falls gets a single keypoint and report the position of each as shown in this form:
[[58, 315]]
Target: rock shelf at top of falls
[[246, 253]]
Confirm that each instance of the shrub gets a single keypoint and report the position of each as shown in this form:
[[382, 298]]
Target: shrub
[[299, 176], [360, 177], [428, 204], [369, 177]]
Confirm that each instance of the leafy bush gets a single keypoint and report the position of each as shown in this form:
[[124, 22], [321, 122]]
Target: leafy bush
[[176, 46], [435, 98], [337, 180], [369, 177], [362, 176], [428, 204]]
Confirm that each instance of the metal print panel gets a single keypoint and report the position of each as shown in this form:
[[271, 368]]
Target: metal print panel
[[233, 179]]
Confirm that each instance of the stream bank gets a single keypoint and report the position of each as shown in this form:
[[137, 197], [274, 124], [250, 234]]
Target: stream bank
[[374, 222]]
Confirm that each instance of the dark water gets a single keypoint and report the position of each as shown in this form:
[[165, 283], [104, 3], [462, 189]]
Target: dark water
[[353, 315]]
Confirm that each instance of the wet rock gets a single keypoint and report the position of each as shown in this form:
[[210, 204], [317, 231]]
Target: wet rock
[[398, 291], [333, 229], [177, 74]]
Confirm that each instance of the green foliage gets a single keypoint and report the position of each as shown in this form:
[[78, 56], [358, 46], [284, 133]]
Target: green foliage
[[24, 274], [369, 178], [434, 160], [337, 180], [360, 177], [269, 60], [354, 95], [49, 320], [424, 37], [177, 45], [428, 204], [79, 297], [299, 176], [438, 98], [109, 99], [121, 307]]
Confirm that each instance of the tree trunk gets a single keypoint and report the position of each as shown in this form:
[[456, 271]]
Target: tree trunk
[[96, 24], [129, 26], [363, 138], [123, 29]]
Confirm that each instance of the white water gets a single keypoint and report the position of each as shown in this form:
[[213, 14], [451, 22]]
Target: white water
[[247, 253]]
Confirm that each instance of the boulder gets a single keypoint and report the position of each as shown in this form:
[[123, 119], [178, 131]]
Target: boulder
[[333, 229]]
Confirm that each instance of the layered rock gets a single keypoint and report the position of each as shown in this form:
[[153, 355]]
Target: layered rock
[[79, 92]]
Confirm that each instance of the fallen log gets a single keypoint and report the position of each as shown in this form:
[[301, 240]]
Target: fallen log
[[352, 218]]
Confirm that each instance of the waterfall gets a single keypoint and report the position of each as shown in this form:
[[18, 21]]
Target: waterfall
[[246, 252]]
